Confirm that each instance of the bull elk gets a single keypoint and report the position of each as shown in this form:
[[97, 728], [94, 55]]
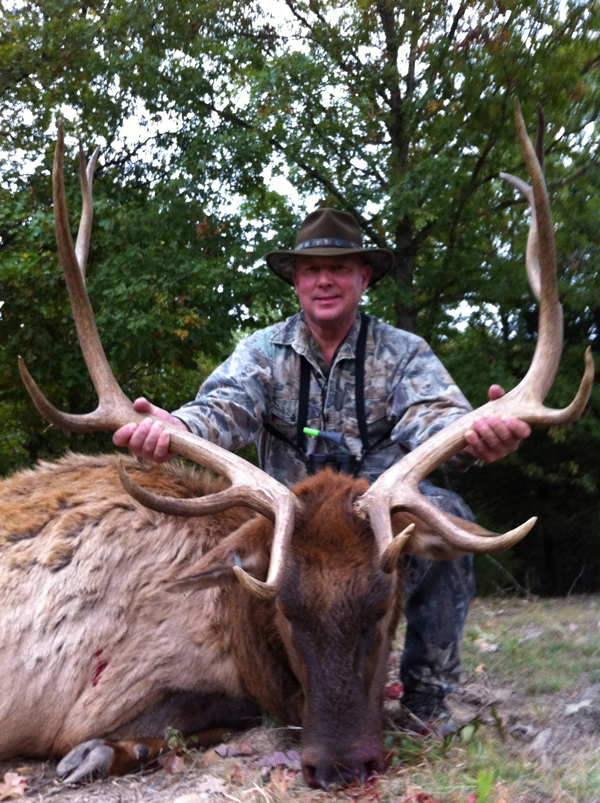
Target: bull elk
[[290, 610]]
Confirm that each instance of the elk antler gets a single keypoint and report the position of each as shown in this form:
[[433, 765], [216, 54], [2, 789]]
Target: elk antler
[[397, 488], [250, 486]]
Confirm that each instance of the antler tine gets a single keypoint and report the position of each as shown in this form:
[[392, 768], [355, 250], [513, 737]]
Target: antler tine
[[213, 503], [86, 174], [532, 256], [397, 487], [249, 485], [267, 496]]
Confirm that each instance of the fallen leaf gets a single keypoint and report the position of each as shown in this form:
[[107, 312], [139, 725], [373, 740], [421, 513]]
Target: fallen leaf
[[557, 791], [480, 669], [290, 759], [243, 748], [14, 785], [231, 751], [236, 776], [210, 757], [281, 780], [172, 763], [467, 733], [575, 707]]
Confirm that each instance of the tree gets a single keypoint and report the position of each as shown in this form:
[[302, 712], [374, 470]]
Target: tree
[[400, 113]]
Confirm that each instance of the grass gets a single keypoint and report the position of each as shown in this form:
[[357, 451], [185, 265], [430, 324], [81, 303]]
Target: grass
[[567, 648], [536, 677]]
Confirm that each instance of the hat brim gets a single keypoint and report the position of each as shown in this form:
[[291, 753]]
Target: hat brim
[[283, 263]]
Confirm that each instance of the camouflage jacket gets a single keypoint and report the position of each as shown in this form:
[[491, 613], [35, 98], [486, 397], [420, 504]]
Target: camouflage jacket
[[409, 396]]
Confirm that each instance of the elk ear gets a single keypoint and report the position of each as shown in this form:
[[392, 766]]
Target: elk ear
[[249, 547], [425, 542]]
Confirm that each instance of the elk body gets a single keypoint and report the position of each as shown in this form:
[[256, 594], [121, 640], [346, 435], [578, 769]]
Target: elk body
[[93, 644], [291, 609]]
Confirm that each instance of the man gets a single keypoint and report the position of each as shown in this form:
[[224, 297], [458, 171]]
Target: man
[[379, 391]]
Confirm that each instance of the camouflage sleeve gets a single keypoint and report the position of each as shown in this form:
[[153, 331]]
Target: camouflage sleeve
[[233, 402], [425, 400]]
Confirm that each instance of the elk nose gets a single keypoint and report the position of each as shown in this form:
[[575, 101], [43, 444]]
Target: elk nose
[[326, 773]]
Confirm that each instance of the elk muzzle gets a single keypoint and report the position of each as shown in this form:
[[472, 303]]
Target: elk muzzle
[[342, 765]]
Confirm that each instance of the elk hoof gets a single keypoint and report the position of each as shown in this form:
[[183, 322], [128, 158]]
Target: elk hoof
[[86, 762], [141, 752]]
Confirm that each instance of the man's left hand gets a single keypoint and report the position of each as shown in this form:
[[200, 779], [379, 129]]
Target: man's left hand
[[493, 438]]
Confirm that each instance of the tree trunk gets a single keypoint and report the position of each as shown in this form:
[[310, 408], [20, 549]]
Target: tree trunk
[[405, 253]]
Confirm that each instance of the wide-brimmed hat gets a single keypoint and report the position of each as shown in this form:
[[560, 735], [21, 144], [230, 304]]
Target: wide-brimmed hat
[[326, 233]]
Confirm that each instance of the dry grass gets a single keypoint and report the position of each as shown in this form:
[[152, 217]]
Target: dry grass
[[542, 681]]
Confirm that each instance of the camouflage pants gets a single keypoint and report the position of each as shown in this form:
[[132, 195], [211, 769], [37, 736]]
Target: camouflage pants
[[438, 595]]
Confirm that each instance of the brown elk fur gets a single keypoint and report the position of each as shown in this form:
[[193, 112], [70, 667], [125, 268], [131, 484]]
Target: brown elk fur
[[94, 643]]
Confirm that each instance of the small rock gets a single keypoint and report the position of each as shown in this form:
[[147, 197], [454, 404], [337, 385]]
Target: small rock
[[524, 731], [530, 635], [576, 707], [484, 646], [539, 745]]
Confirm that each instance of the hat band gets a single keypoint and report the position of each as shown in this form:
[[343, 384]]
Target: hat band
[[327, 243]]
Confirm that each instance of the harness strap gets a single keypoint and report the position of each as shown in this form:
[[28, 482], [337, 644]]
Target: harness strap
[[359, 379], [303, 402]]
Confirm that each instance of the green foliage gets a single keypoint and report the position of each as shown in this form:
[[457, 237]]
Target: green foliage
[[222, 124]]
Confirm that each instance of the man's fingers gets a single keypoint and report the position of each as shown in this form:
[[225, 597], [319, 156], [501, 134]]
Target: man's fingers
[[123, 435], [491, 431], [520, 429], [494, 431], [142, 405], [161, 451], [145, 439], [492, 438]]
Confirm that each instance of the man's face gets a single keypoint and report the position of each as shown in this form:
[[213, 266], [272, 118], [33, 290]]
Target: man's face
[[329, 288]]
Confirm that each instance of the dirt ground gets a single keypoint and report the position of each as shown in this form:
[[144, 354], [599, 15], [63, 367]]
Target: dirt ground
[[527, 711]]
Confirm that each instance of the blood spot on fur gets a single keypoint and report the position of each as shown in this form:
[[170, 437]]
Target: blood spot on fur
[[98, 671]]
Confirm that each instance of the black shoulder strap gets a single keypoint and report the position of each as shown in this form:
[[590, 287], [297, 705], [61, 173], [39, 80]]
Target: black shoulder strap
[[360, 381], [302, 410], [303, 402]]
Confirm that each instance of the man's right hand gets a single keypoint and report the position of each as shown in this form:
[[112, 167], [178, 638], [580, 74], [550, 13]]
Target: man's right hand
[[148, 439]]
